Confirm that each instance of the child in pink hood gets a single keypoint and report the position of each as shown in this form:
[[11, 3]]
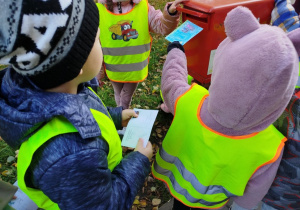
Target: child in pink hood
[[221, 143], [125, 37]]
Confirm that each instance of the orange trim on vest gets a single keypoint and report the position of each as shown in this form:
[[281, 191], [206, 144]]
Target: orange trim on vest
[[127, 81], [126, 12], [216, 132], [179, 98], [276, 155], [121, 13]]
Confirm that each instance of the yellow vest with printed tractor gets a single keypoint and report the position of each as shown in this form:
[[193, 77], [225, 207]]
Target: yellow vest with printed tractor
[[202, 167], [60, 125], [126, 43]]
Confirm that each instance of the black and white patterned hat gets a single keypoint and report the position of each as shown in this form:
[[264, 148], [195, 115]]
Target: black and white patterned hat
[[47, 40]]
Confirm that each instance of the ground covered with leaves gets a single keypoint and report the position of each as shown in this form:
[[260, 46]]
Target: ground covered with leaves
[[154, 193]]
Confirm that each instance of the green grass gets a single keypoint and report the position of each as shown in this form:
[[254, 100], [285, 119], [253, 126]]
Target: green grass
[[147, 96], [8, 170]]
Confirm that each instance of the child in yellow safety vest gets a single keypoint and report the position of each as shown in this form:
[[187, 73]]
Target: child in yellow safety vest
[[221, 143], [126, 42], [70, 154]]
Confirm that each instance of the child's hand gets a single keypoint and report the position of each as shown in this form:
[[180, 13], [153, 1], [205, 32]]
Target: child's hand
[[127, 114], [172, 8], [147, 151]]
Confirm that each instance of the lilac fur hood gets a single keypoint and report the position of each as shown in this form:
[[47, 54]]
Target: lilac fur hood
[[255, 72]]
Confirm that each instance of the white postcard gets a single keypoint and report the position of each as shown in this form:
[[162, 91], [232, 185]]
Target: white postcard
[[22, 202], [139, 127]]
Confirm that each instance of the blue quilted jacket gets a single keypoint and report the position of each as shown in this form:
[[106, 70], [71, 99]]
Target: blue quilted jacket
[[71, 169]]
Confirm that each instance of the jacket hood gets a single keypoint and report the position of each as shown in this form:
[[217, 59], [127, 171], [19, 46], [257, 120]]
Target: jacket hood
[[24, 108], [255, 72]]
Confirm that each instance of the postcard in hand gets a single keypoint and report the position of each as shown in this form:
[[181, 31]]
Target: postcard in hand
[[184, 33], [139, 127]]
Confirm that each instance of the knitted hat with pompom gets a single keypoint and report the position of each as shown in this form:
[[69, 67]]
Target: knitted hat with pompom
[[47, 41]]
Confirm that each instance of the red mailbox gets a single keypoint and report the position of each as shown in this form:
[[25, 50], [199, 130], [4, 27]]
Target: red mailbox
[[210, 15]]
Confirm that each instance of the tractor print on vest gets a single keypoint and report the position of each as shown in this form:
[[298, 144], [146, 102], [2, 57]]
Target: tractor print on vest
[[123, 30]]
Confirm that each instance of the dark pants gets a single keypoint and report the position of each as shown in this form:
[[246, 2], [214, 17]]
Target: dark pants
[[180, 206]]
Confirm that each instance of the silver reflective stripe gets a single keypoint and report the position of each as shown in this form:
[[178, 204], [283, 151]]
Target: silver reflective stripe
[[132, 50], [181, 190], [127, 67], [190, 177]]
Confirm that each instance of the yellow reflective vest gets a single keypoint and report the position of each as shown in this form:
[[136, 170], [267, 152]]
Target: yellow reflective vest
[[202, 167], [57, 126], [126, 43]]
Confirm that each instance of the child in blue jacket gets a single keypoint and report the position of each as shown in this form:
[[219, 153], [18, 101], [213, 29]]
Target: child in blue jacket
[[70, 154]]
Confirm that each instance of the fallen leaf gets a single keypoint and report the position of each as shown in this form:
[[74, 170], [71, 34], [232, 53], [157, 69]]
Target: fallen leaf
[[155, 208], [159, 135], [153, 189], [15, 164], [6, 173], [155, 87], [10, 159], [17, 153], [136, 202], [158, 130], [143, 203], [156, 201], [154, 91], [150, 179], [164, 57]]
